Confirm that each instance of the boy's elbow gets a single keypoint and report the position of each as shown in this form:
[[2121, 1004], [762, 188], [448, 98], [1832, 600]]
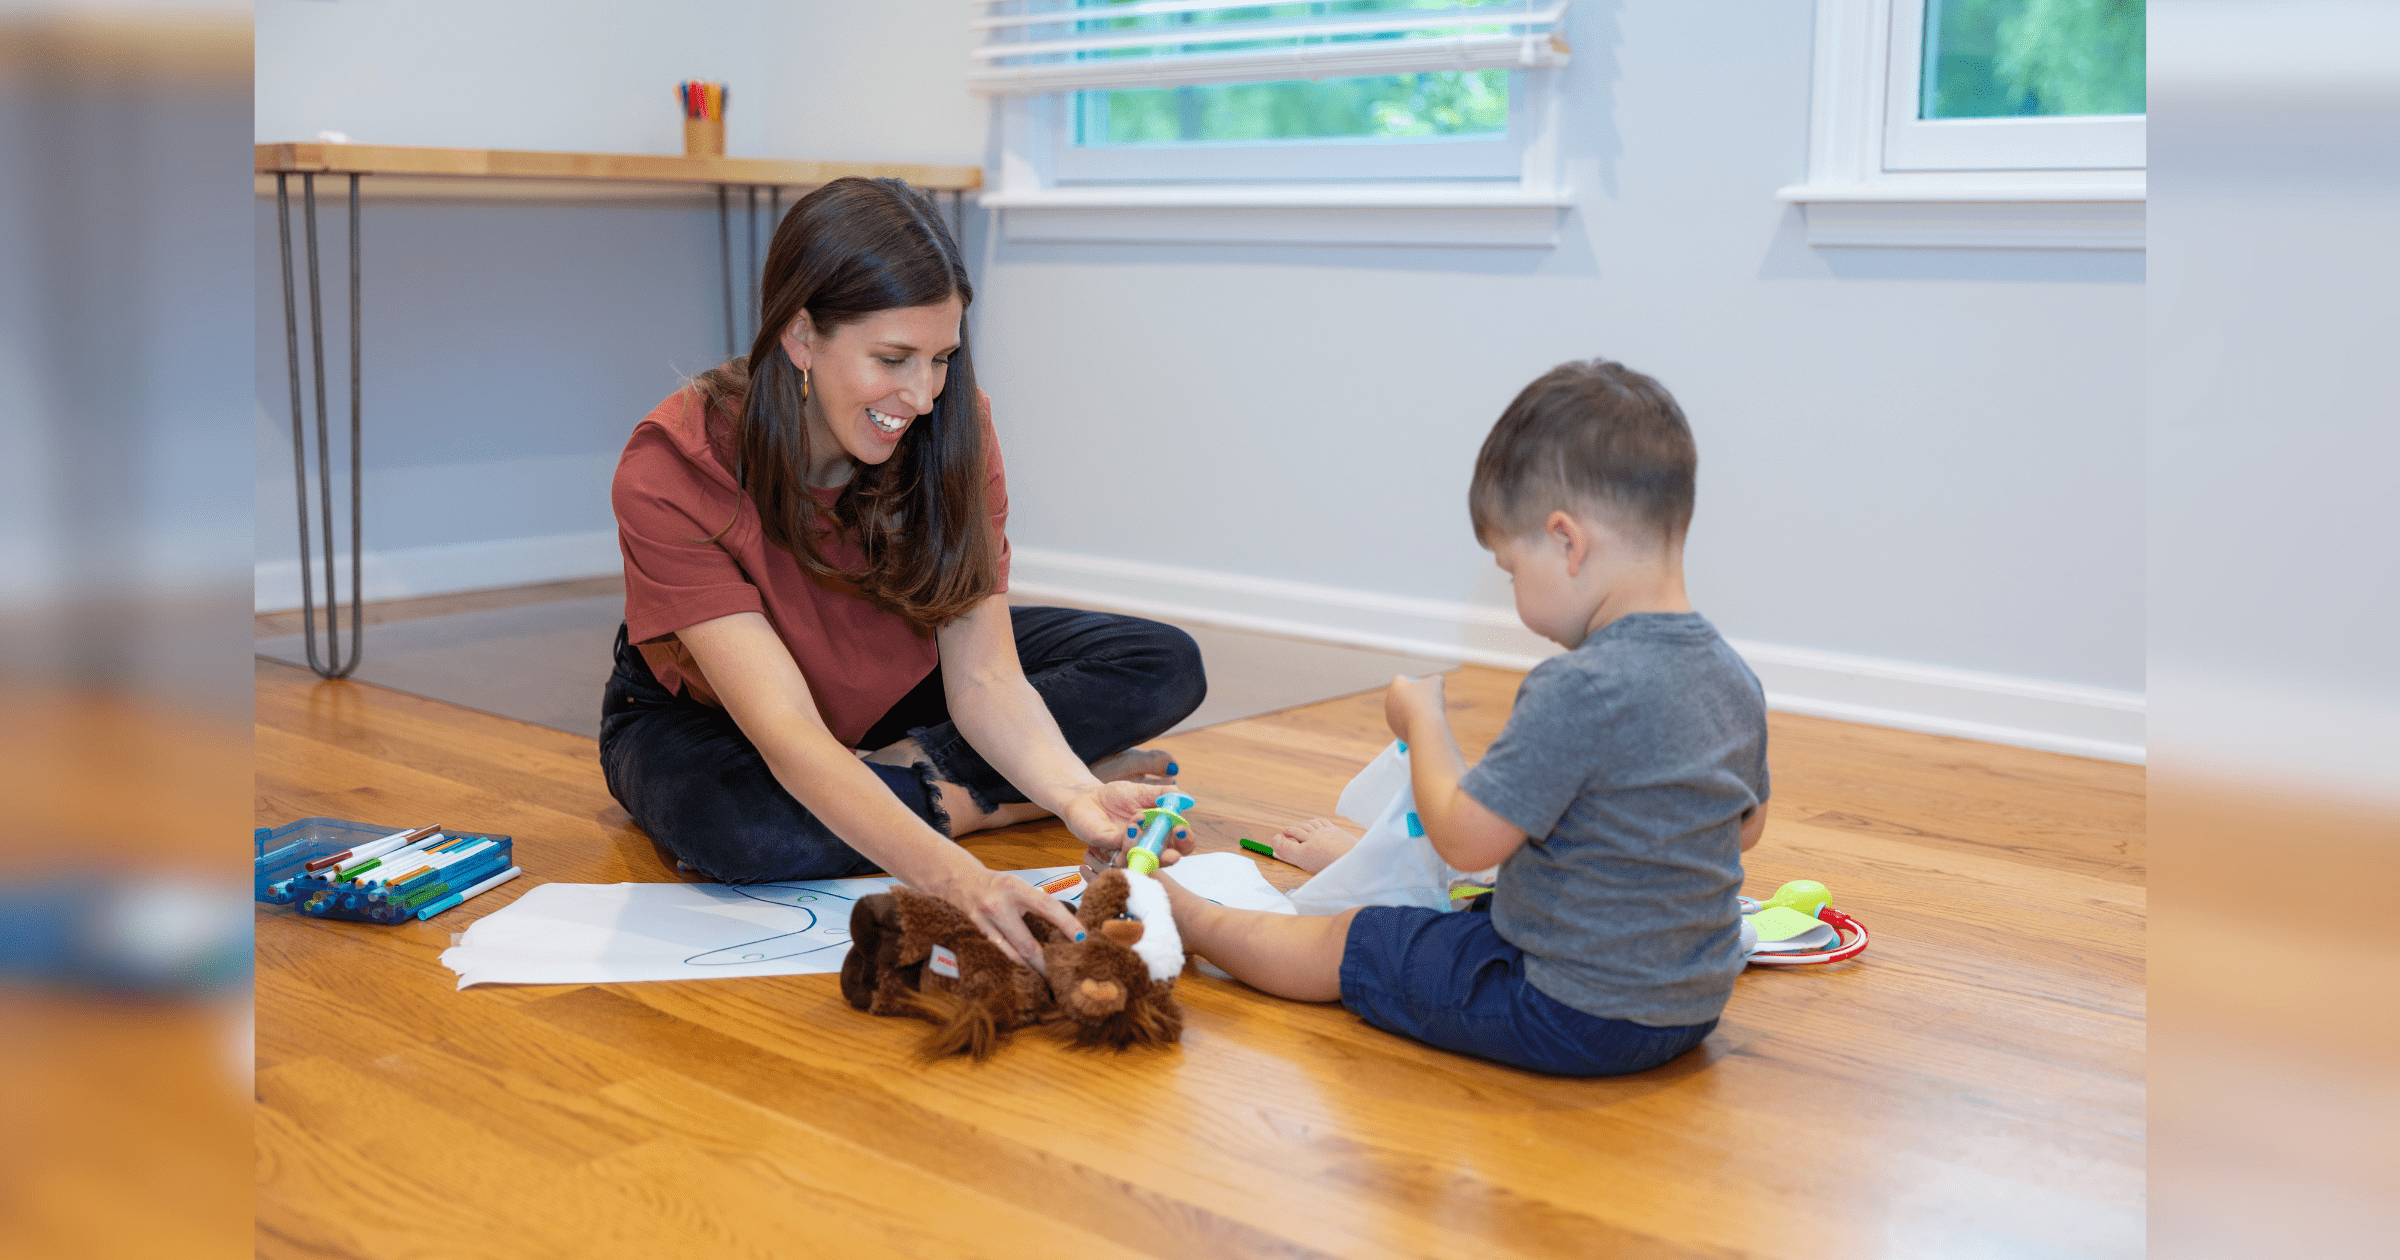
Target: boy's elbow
[[1468, 849], [1754, 825]]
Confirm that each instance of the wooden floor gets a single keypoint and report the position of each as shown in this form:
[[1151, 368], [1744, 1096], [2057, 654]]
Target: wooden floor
[[1970, 1087]]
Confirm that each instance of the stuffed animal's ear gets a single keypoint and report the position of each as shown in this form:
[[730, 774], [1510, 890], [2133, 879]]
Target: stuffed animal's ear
[[1103, 899], [874, 948]]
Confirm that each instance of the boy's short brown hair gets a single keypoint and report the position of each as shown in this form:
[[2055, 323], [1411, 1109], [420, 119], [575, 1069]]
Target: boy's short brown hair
[[1595, 437]]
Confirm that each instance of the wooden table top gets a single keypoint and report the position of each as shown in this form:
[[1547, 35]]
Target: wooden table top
[[660, 168]]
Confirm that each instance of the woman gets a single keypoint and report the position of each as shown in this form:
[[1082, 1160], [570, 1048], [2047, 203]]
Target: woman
[[820, 674]]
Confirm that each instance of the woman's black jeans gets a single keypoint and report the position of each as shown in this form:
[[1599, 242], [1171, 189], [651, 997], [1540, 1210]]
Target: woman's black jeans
[[691, 779]]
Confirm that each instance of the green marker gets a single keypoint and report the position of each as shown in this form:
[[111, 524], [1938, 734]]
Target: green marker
[[1255, 847]]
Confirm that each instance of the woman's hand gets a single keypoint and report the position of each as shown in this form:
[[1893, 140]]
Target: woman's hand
[[1409, 700], [1099, 819], [998, 903]]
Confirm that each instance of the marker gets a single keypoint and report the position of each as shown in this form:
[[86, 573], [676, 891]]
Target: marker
[[1255, 847], [478, 890], [394, 840], [457, 876], [372, 854], [402, 872], [440, 889], [393, 859]]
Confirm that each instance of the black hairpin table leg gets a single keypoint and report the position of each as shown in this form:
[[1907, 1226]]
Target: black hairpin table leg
[[332, 664], [750, 311], [725, 262]]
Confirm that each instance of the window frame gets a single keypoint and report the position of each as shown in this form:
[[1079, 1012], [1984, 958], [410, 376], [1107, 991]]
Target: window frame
[[1506, 193], [1989, 189]]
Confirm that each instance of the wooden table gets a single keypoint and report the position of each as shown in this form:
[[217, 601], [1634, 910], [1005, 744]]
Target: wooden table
[[308, 161]]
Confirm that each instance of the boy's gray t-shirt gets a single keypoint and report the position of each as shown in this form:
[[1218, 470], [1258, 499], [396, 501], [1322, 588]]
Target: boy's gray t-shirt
[[1629, 763]]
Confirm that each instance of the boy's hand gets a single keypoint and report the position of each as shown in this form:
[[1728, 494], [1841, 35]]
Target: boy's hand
[[1409, 699]]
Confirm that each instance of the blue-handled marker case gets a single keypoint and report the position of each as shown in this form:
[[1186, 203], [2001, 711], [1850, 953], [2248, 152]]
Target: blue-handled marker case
[[284, 853]]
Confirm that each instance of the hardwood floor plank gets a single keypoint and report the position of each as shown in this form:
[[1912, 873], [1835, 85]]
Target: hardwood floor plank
[[845, 1198]]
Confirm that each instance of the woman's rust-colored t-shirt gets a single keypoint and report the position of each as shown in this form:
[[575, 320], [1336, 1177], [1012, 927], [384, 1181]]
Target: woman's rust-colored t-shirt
[[675, 490]]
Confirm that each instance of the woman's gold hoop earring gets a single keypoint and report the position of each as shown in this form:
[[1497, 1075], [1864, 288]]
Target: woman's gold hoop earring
[[804, 387]]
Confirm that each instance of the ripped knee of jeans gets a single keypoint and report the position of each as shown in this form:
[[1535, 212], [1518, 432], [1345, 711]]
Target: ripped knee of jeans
[[929, 782]]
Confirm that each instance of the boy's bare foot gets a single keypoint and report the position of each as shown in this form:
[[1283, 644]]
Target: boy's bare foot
[[1313, 845], [1136, 765]]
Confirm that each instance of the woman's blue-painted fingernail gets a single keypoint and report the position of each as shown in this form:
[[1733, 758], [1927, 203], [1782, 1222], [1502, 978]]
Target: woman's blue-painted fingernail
[[1131, 832], [1079, 936], [1172, 768]]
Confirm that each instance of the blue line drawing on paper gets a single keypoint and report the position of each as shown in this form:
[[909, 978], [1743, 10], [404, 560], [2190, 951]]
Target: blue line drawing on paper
[[807, 938], [812, 935]]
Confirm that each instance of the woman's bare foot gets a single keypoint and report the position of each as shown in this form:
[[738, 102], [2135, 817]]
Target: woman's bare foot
[[1137, 765], [1313, 845]]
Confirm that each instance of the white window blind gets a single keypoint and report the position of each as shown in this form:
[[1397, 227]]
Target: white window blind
[[1038, 46]]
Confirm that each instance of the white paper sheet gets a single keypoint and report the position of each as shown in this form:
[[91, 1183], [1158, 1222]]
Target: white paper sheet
[[615, 933], [1393, 864], [1230, 879]]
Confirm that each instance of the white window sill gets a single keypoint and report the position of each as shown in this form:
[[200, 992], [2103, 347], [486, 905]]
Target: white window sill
[[1505, 216], [2052, 213]]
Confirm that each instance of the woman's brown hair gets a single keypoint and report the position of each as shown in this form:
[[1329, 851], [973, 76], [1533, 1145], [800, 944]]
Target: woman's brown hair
[[847, 250]]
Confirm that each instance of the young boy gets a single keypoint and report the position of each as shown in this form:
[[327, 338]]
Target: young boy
[[1619, 798]]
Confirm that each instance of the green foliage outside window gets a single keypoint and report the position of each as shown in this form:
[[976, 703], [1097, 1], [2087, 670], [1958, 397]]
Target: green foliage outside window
[[2020, 58], [1445, 103]]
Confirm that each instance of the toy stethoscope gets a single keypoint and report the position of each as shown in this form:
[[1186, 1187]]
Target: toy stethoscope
[[1808, 897]]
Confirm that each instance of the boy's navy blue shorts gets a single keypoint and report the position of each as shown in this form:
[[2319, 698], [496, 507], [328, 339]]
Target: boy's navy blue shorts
[[1448, 979]]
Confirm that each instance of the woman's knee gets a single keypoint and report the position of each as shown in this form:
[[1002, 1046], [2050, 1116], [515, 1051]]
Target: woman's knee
[[1171, 659]]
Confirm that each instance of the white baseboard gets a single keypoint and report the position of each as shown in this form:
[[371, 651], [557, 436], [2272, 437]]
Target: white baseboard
[[444, 570], [1968, 704]]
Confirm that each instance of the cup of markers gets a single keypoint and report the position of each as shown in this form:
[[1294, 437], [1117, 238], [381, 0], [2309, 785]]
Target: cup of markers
[[387, 878]]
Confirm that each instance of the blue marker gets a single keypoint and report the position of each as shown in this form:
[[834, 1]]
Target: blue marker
[[427, 912], [1156, 824]]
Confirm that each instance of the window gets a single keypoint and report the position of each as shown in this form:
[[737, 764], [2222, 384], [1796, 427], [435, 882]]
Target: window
[[2014, 85], [1428, 118], [1442, 124], [1977, 123]]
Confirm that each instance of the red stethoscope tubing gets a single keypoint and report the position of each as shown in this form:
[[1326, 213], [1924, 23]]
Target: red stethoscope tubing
[[1840, 922]]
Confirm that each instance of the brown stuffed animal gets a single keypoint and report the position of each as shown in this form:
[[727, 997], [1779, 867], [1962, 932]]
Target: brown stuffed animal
[[913, 954]]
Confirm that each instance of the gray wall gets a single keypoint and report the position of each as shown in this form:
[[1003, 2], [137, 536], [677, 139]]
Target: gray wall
[[1923, 456]]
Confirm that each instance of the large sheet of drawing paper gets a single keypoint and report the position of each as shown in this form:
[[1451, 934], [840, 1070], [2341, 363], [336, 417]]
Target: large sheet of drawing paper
[[612, 933]]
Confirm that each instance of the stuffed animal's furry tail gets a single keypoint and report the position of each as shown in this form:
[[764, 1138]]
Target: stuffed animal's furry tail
[[957, 1025]]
